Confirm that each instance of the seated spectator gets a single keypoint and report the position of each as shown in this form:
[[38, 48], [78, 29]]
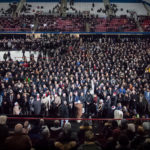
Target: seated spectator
[[56, 129], [45, 143], [139, 138], [131, 131], [3, 131], [66, 140], [144, 146], [27, 127], [110, 144], [82, 129], [35, 132], [18, 141], [123, 143], [89, 142]]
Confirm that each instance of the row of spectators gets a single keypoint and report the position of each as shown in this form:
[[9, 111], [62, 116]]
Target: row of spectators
[[39, 135], [102, 74], [70, 23], [145, 22], [22, 23]]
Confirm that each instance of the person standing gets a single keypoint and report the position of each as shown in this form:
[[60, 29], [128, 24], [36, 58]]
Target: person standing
[[5, 56], [100, 108], [5, 103], [45, 104], [142, 104], [70, 103], [89, 142], [82, 99], [37, 105], [118, 114], [23, 52], [88, 103], [147, 97], [16, 109], [11, 100], [63, 112], [107, 106]]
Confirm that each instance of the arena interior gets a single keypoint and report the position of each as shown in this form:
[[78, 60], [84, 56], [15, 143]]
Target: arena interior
[[75, 75]]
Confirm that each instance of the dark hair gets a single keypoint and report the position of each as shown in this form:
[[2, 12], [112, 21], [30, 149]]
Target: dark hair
[[114, 124], [144, 146], [123, 140]]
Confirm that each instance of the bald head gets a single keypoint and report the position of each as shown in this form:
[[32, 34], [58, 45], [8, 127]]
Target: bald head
[[18, 128]]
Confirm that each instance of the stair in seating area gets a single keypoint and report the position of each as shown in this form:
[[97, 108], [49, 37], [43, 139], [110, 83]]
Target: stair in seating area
[[19, 7], [139, 26], [147, 8], [107, 5], [35, 24]]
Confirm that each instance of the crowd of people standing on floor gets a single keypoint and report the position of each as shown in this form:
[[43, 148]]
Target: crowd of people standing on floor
[[82, 77]]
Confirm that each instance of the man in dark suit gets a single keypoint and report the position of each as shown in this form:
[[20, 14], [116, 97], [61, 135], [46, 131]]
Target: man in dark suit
[[63, 112], [11, 101], [37, 105]]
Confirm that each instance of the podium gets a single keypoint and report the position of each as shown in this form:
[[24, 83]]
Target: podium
[[78, 106]]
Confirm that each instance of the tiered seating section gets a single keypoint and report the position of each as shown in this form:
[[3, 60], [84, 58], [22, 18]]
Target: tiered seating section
[[23, 23], [67, 24], [75, 21], [115, 25], [145, 22]]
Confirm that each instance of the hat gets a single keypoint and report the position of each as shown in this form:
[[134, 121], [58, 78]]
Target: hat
[[113, 107], [11, 91], [101, 101], [16, 103], [115, 93]]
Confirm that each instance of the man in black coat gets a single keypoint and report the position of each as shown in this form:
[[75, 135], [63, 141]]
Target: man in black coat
[[5, 56], [88, 102], [107, 106], [63, 112], [37, 105], [5, 104]]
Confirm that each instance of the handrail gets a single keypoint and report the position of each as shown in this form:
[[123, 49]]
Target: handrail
[[51, 32], [96, 119]]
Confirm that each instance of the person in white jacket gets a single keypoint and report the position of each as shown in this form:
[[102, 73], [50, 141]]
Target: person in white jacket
[[118, 114], [46, 103], [16, 109]]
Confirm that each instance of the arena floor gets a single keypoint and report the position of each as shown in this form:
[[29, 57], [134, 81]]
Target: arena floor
[[17, 55]]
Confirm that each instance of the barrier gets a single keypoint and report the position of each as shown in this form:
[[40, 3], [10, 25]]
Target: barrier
[[12, 121], [31, 32], [75, 119], [90, 1]]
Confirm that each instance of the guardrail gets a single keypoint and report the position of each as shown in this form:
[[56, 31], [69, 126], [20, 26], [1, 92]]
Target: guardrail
[[31, 32], [88, 119]]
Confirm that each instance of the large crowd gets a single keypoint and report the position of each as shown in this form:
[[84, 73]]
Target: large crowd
[[78, 77]]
